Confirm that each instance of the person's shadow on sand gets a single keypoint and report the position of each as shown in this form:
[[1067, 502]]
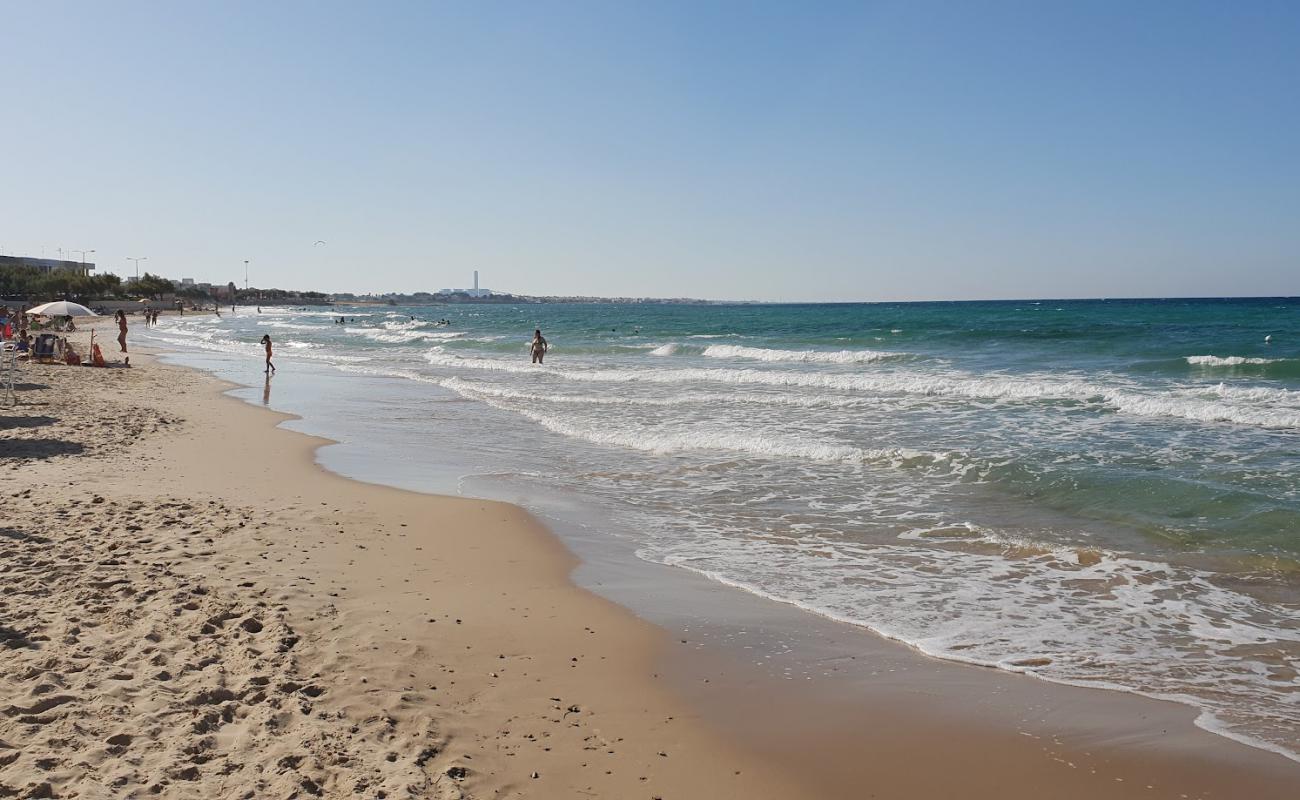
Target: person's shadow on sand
[[10, 423], [40, 448]]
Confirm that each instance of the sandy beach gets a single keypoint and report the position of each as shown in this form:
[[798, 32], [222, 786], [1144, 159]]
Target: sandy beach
[[191, 607]]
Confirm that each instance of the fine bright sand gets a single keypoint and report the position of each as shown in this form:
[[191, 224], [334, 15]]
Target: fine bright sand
[[190, 607]]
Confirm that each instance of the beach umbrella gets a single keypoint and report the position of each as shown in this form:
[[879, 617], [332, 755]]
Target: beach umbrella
[[61, 308]]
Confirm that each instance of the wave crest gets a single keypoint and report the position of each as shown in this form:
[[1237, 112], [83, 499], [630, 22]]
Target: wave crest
[[1228, 361], [803, 356]]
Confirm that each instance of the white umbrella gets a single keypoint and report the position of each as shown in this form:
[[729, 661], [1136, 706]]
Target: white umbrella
[[61, 308]]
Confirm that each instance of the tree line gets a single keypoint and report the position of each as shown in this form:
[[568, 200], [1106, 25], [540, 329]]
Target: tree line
[[35, 285]]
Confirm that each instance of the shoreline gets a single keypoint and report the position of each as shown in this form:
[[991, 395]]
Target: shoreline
[[812, 747], [494, 661], [1205, 741]]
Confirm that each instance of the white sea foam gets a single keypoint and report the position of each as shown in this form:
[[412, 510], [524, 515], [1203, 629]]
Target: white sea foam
[[289, 326], [1228, 361], [1250, 394], [406, 324], [208, 337], [683, 440], [1171, 405], [669, 349], [477, 389], [805, 356], [270, 311], [1109, 621], [402, 333], [955, 385]]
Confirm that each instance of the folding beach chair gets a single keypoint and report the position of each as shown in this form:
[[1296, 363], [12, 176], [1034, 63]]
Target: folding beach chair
[[47, 348]]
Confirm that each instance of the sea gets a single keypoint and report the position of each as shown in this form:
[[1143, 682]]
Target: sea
[[1102, 493]]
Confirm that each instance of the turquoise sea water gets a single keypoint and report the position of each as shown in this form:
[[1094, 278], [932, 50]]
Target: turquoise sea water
[[1095, 492]]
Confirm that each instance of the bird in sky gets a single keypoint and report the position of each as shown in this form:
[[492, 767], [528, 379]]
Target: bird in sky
[[319, 241]]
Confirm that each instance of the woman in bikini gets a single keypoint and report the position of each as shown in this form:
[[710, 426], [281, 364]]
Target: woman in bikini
[[539, 346], [266, 340], [121, 329]]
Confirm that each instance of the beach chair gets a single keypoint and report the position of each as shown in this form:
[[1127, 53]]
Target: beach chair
[[47, 348]]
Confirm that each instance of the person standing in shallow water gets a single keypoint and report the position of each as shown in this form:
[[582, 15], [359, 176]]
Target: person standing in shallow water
[[266, 341], [539, 346]]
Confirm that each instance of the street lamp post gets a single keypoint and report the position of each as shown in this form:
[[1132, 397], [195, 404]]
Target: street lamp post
[[83, 258], [245, 274], [137, 264]]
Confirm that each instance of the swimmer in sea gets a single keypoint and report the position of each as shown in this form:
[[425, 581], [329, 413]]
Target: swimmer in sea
[[539, 346]]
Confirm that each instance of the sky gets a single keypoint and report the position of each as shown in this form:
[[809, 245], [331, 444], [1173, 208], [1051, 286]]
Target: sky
[[725, 150]]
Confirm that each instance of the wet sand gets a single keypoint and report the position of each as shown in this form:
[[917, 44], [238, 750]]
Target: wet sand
[[191, 607]]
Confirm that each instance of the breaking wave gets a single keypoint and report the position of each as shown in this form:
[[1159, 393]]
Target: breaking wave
[[802, 356], [956, 385], [1228, 361]]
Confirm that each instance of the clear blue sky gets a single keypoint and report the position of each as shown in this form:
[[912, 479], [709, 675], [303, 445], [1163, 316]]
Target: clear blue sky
[[784, 151]]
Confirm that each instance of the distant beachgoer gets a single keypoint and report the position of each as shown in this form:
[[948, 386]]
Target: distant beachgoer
[[121, 329], [266, 340], [539, 346]]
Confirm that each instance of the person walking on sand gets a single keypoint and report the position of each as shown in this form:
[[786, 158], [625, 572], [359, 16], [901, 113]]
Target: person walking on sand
[[539, 346], [121, 329], [270, 368]]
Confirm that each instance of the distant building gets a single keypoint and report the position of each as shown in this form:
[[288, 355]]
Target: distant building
[[48, 265], [475, 292]]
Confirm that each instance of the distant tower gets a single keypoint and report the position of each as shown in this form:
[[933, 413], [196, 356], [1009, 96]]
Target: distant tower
[[476, 280]]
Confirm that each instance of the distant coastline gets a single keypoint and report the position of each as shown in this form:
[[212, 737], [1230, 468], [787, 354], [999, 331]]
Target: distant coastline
[[428, 299], [458, 298]]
